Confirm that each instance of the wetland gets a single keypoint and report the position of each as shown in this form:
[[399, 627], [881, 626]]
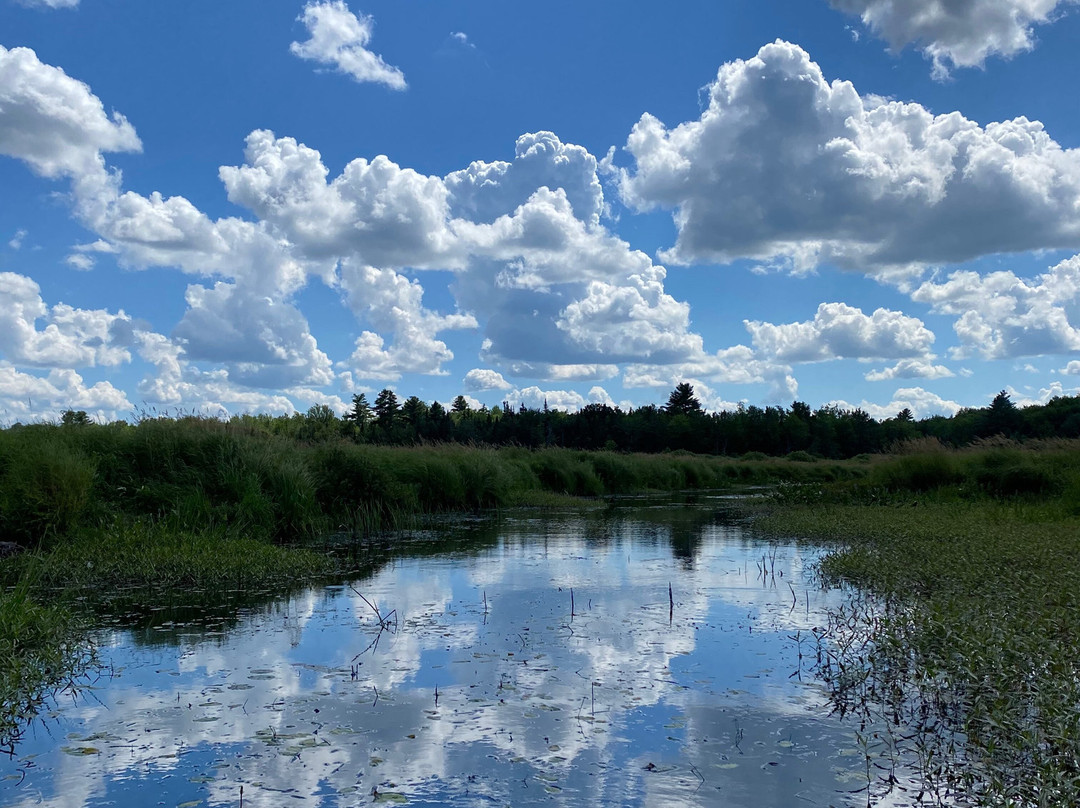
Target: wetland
[[642, 654]]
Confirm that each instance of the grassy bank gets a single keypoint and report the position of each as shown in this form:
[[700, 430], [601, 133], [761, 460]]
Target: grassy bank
[[198, 474], [964, 657]]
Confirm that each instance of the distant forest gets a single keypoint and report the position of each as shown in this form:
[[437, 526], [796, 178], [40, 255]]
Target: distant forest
[[681, 424]]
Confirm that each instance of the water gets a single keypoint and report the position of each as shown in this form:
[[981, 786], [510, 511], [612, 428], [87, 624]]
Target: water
[[625, 701]]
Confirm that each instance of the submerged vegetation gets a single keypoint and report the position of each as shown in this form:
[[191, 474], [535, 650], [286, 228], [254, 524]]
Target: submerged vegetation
[[961, 656]]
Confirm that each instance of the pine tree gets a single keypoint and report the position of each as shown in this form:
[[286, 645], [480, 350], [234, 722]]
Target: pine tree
[[683, 401]]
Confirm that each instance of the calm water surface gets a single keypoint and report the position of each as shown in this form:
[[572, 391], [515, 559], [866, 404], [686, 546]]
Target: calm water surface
[[626, 701]]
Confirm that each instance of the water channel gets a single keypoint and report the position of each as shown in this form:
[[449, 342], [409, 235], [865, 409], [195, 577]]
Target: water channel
[[541, 661]]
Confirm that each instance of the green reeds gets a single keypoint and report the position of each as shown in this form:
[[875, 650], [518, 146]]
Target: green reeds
[[41, 649], [158, 559], [961, 654]]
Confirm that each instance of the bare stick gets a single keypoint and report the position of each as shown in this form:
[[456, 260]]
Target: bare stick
[[374, 608]]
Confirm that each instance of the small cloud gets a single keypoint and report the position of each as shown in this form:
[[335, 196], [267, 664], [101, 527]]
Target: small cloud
[[17, 240], [462, 39], [1071, 369], [99, 246], [458, 46], [910, 369], [80, 261], [50, 4], [479, 379], [339, 38]]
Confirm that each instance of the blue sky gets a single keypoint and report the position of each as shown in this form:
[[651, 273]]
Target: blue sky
[[260, 206]]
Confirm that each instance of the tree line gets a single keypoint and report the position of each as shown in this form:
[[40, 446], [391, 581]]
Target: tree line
[[680, 424]]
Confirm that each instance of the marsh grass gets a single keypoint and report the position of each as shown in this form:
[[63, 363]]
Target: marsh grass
[[962, 648], [42, 650], [194, 474], [158, 559]]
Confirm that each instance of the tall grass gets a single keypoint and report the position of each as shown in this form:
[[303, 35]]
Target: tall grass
[[193, 474]]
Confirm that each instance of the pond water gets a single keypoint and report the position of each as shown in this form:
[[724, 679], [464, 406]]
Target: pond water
[[486, 683]]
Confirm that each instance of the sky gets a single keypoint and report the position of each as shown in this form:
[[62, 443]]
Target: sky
[[261, 205]]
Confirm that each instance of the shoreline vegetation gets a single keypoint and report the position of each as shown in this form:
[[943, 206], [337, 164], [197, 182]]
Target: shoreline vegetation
[[957, 651]]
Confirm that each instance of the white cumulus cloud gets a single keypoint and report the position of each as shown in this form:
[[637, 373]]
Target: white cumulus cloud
[[392, 303], [484, 191], [374, 210], [52, 121], [910, 369], [70, 337], [840, 331], [954, 33], [339, 38], [922, 404], [27, 397], [263, 342], [790, 169], [1003, 316], [479, 379]]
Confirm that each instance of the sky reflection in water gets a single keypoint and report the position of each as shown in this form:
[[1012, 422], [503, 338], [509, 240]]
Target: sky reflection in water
[[614, 705]]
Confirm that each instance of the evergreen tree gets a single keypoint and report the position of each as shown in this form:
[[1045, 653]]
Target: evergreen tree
[[386, 408], [683, 401], [1002, 417], [360, 414]]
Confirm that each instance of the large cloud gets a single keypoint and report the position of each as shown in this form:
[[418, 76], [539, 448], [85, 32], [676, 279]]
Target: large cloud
[[785, 167], [24, 396], [392, 303], [552, 287], [52, 121], [375, 210], [839, 331], [738, 364], [954, 33], [263, 342], [71, 337], [479, 379], [339, 38], [484, 191], [910, 369], [177, 382], [555, 291], [1004, 316], [536, 398]]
